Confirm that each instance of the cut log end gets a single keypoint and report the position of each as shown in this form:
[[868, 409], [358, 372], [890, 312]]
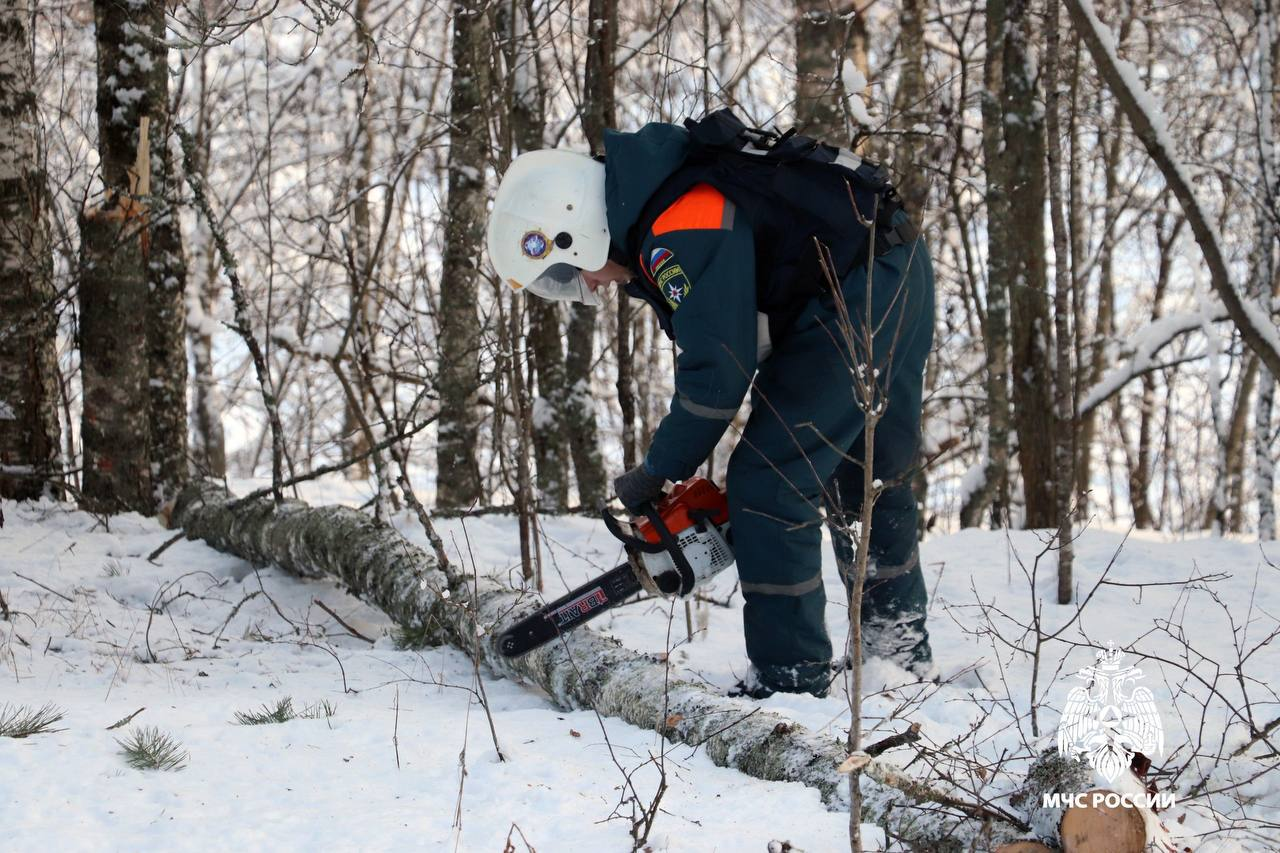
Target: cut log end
[[1103, 829], [1024, 847]]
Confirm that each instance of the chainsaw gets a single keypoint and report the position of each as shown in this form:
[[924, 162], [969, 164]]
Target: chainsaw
[[679, 544]]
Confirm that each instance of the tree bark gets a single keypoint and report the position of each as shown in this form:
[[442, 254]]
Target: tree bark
[[1264, 435], [1104, 324], [826, 33], [1265, 443], [911, 177], [457, 464], [584, 670], [166, 307], [578, 405], [208, 447], [116, 248], [1228, 517], [361, 313], [1024, 239], [115, 427], [993, 491], [528, 120], [1063, 388], [29, 429]]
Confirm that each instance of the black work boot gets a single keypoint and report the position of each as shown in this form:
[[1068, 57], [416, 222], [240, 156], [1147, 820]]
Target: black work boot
[[753, 686], [905, 643]]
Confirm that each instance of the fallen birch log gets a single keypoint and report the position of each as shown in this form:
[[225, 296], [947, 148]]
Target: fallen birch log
[[584, 670]]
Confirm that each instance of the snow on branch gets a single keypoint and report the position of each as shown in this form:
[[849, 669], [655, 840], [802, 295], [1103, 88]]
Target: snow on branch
[[1149, 123], [1142, 350]]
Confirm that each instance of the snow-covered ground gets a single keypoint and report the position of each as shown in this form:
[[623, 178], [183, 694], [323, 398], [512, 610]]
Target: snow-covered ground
[[388, 768]]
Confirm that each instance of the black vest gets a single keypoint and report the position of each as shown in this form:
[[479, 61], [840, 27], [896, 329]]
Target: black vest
[[810, 207]]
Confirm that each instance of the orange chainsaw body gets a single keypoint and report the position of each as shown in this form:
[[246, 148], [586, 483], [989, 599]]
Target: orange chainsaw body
[[696, 499]]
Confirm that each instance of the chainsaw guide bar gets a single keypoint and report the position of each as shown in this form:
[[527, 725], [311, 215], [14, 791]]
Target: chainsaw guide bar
[[679, 545]]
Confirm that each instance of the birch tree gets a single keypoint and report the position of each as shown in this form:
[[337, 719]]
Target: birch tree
[[166, 279], [29, 429], [1265, 434]]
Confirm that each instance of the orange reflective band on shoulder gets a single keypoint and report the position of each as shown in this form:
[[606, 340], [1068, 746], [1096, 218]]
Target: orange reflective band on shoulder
[[702, 208]]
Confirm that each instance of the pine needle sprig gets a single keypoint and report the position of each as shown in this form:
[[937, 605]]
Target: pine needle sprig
[[148, 748], [18, 721], [282, 711], [413, 639]]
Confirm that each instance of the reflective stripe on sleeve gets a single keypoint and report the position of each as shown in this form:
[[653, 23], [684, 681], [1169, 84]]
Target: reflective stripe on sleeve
[[706, 411]]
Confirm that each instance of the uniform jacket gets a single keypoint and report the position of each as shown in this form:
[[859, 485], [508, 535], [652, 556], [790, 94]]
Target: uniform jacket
[[700, 257]]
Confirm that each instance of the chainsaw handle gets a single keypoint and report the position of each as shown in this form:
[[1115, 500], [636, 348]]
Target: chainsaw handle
[[667, 543], [637, 542], [687, 577]]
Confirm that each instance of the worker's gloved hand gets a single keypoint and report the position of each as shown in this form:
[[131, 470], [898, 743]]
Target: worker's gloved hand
[[637, 487]]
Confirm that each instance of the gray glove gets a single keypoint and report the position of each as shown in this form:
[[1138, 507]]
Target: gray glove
[[637, 487]]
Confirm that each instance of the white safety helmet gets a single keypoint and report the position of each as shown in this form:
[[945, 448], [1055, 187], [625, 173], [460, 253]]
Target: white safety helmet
[[548, 224]]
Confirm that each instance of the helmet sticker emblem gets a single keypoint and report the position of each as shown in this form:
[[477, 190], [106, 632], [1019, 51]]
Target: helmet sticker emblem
[[658, 257], [534, 244]]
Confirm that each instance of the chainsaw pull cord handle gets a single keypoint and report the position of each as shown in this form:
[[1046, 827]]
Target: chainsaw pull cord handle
[[687, 578]]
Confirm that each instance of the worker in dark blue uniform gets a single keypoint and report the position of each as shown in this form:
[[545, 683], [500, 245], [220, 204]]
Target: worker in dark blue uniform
[[704, 236]]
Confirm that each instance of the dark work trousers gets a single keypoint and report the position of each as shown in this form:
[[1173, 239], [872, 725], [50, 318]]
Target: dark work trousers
[[801, 451]]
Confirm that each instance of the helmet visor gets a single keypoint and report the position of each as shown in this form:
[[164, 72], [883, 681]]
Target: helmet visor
[[563, 283]]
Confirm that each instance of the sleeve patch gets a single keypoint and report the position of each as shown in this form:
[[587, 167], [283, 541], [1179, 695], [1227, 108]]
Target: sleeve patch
[[673, 284]]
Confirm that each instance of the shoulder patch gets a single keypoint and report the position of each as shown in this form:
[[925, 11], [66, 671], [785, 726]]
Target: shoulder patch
[[657, 258], [674, 285]]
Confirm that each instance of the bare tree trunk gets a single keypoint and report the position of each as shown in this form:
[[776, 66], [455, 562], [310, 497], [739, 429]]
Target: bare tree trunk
[[550, 431], [1265, 443], [546, 359], [911, 108], [355, 441], [114, 277], [1140, 473], [1233, 489], [578, 405], [993, 491], [167, 307], [1024, 154], [626, 383], [457, 464], [1104, 326], [826, 34], [1264, 434], [1063, 390], [208, 448], [912, 175], [29, 430]]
